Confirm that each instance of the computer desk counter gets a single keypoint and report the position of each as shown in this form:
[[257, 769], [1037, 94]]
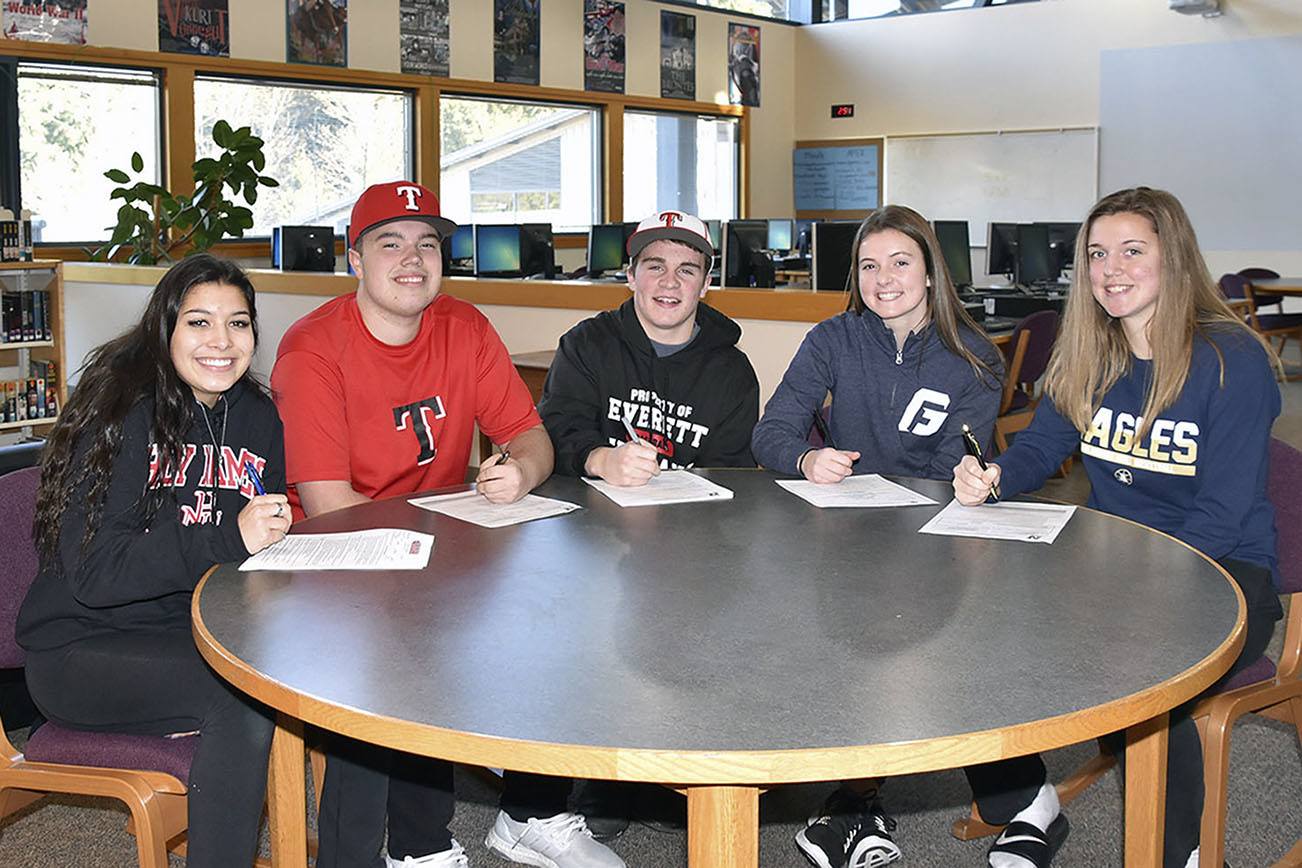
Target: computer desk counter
[[728, 647]]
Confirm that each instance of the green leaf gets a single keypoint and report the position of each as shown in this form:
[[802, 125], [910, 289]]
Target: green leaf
[[221, 133], [259, 161], [251, 193], [268, 182], [137, 162], [117, 176]]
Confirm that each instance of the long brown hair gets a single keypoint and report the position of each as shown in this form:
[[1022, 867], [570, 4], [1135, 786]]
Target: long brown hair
[[1092, 352], [943, 305], [134, 366]]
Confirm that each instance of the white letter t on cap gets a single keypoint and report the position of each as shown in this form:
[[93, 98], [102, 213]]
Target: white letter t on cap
[[411, 193]]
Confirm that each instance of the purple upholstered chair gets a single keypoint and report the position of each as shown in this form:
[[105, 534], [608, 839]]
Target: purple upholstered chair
[[1264, 687], [147, 773], [1027, 356], [1269, 325]]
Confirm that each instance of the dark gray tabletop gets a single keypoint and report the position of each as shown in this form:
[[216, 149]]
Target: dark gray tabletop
[[756, 624]]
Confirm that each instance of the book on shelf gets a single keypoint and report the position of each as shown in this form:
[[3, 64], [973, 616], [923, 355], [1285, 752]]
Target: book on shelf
[[25, 316], [35, 396]]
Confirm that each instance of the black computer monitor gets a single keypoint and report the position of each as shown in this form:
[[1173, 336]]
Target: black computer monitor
[[629, 229], [605, 248], [956, 247], [832, 256], [782, 236], [1062, 243], [1001, 248], [537, 251], [714, 228], [459, 251], [744, 261], [1035, 264], [497, 251]]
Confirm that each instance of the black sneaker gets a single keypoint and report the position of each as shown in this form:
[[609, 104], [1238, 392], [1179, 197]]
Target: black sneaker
[[852, 832]]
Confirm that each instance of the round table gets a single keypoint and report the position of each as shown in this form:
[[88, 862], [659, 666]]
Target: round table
[[724, 647]]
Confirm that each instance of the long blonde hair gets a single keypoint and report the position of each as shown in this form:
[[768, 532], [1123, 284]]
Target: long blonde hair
[[943, 305], [1092, 352]]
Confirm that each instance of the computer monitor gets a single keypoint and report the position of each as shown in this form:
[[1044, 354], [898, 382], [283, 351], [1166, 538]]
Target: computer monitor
[[1062, 243], [714, 227], [832, 256], [629, 229], [956, 248], [782, 236], [497, 251], [801, 233], [459, 251], [1001, 248], [745, 263], [605, 248], [537, 251], [1034, 262]]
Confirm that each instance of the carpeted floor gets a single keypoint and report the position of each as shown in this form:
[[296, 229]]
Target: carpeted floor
[[1265, 815]]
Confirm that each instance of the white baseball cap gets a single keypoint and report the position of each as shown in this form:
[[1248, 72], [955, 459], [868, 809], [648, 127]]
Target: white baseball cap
[[674, 226]]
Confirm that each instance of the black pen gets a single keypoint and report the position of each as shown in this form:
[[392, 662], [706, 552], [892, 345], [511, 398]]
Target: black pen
[[505, 453], [822, 429], [254, 478], [974, 449]]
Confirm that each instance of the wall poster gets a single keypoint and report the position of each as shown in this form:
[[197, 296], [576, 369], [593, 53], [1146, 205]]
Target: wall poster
[[423, 37], [603, 46], [194, 27], [45, 21], [677, 55], [743, 64], [515, 41], [317, 32]]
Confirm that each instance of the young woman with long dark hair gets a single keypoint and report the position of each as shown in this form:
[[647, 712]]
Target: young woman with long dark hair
[[143, 488]]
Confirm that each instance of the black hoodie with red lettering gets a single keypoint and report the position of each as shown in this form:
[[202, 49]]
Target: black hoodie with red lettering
[[696, 407], [136, 577]]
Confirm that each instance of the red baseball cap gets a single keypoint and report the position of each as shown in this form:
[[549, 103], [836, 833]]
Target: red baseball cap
[[396, 200], [675, 226]]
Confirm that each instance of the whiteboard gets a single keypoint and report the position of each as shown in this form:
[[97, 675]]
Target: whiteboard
[[1009, 176]]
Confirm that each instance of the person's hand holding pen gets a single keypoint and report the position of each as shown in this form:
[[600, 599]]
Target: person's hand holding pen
[[974, 480], [827, 465], [265, 519], [628, 464], [500, 479]]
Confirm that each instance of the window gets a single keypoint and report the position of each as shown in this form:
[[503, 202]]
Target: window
[[834, 9], [324, 145], [74, 124], [520, 162], [766, 8], [684, 162]]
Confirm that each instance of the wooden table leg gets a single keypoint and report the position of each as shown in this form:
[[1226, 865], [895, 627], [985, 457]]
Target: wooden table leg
[[287, 795], [1146, 792], [723, 827]]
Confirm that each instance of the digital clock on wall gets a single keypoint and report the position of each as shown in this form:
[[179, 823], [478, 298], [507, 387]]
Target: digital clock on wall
[[843, 110]]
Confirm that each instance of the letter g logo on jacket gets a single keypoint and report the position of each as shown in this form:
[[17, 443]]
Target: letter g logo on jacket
[[924, 415]]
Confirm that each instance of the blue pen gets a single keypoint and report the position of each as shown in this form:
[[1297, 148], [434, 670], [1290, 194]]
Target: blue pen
[[254, 478]]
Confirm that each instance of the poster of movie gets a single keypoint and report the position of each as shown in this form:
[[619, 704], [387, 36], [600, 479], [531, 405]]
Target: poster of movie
[[515, 41], [677, 55], [317, 32], [423, 36], [194, 27], [743, 64], [45, 20], [603, 46]]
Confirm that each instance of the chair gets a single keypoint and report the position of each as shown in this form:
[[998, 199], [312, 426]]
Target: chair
[[1269, 325], [1026, 359], [147, 773], [1266, 688]]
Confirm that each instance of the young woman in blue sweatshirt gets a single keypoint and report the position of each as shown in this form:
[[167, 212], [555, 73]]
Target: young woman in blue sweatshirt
[[1170, 398], [906, 368]]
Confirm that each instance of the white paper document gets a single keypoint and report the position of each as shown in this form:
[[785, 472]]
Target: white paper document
[[470, 506], [671, 486], [1021, 522], [855, 491], [380, 549]]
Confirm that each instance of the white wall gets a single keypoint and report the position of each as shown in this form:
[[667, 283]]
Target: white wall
[[1019, 66]]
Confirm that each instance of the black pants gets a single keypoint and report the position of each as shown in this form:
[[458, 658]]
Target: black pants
[[364, 782], [155, 683], [1002, 789]]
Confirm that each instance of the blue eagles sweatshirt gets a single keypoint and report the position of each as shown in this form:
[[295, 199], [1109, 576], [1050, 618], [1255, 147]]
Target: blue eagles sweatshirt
[[902, 410], [1200, 472]]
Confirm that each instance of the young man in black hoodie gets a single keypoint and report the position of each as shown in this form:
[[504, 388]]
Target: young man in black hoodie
[[662, 362]]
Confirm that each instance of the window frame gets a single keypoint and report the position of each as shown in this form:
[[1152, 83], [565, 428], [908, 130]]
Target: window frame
[[179, 70]]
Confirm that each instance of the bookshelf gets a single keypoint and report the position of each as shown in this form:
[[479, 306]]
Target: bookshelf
[[16, 357]]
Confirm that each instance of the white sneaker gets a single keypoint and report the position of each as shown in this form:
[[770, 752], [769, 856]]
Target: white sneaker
[[453, 857], [562, 841]]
